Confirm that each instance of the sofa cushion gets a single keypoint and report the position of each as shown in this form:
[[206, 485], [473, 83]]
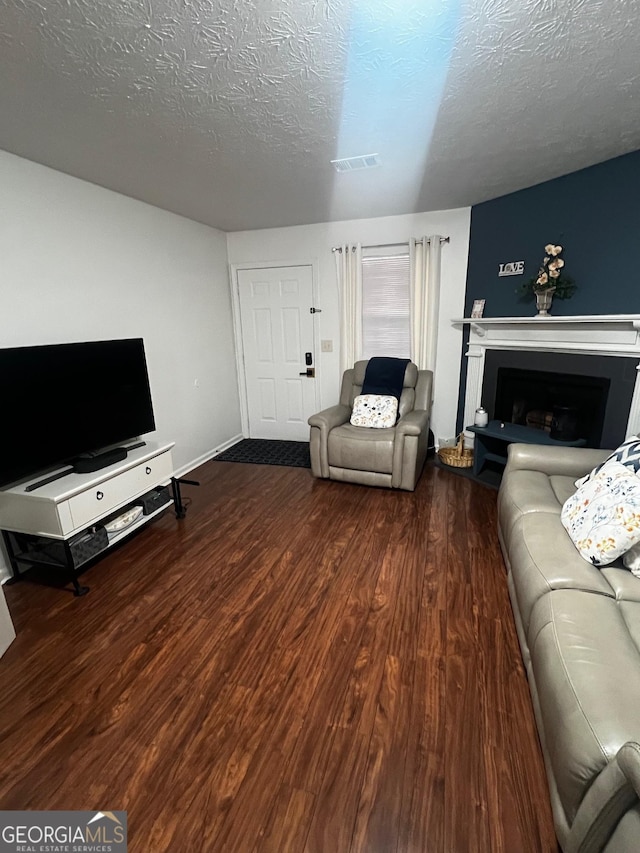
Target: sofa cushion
[[625, 835], [626, 589], [563, 488], [523, 492], [603, 516], [361, 449], [624, 585], [586, 665], [542, 557]]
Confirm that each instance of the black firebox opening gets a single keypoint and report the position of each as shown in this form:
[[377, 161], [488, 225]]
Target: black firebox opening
[[618, 372], [567, 407]]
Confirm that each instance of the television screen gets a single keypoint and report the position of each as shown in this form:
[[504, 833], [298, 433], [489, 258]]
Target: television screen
[[62, 400]]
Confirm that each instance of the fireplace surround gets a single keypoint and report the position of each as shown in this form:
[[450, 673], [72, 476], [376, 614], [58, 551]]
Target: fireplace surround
[[605, 347], [600, 388]]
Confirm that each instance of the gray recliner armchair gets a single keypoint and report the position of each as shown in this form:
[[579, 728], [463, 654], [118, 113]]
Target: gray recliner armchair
[[393, 457]]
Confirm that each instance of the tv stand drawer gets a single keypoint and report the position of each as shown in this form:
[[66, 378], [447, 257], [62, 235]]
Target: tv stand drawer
[[121, 489], [65, 506]]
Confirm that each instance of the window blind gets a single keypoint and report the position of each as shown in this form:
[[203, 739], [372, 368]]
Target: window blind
[[385, 306]]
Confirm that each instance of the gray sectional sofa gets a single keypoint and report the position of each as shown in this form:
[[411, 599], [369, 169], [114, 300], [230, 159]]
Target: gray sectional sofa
[[579, 631]]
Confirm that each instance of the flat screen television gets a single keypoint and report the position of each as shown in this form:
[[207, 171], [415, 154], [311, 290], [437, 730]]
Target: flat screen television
[[62, 400]]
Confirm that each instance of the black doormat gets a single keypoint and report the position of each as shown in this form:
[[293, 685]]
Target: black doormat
[[264, 451]]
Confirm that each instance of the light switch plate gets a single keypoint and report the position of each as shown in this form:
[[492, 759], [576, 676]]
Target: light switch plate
[[326, 346]]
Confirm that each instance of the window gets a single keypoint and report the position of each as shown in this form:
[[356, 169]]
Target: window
[[385, 306]]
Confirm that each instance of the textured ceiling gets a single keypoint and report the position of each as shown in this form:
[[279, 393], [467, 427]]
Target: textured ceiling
[[229, 112]]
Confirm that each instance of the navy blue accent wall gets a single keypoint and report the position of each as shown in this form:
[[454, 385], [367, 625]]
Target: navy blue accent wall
[[594, 214]]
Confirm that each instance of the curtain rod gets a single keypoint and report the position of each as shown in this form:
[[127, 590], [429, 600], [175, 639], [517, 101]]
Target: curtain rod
[[388, 245]]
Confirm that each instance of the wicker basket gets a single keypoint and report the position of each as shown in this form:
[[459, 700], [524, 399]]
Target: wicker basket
[[458, 456]]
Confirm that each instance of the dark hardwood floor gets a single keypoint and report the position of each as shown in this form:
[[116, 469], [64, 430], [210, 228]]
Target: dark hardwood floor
[[299, 665]]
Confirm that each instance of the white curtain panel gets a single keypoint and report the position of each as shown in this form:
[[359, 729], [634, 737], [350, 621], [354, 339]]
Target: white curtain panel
[[424, 258], [348, 260]]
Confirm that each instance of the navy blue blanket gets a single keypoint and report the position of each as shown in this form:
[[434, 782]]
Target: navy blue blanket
[[385, 376]]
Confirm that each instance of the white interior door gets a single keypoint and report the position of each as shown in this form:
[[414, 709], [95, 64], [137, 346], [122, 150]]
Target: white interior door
[[278, 349]]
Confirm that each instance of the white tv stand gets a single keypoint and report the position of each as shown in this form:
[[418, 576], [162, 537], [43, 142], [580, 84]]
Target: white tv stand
[[71, 509]]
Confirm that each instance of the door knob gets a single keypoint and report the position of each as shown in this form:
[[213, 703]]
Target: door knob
[[310, 372]]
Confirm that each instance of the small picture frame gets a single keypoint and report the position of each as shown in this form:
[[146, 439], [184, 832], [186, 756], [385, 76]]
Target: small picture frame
[[478, 309]]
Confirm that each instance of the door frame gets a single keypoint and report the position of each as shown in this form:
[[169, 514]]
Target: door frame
[[234, 269]]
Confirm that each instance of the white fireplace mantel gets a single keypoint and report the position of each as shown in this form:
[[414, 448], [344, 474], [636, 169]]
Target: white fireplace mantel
[[593, 334], [608, 334]]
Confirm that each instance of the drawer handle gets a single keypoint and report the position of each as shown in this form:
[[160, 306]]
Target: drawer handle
[[148, 470], [99, 495]]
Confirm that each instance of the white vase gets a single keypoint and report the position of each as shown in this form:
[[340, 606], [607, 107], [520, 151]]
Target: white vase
[[544, 298]]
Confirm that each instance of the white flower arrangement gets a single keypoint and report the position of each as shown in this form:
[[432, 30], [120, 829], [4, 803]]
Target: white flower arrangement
[[550, 276]]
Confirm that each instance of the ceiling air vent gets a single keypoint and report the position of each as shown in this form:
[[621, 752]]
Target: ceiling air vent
[[351, 164]]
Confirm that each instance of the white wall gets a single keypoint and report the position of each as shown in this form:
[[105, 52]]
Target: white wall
[[78, 262], [313, 243]]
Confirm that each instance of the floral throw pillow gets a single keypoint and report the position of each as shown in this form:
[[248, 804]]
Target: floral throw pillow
[[627, 454], [603, 516], [374, 410]]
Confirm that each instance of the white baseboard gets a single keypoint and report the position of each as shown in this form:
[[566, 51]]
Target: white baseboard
[[185, 469]]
